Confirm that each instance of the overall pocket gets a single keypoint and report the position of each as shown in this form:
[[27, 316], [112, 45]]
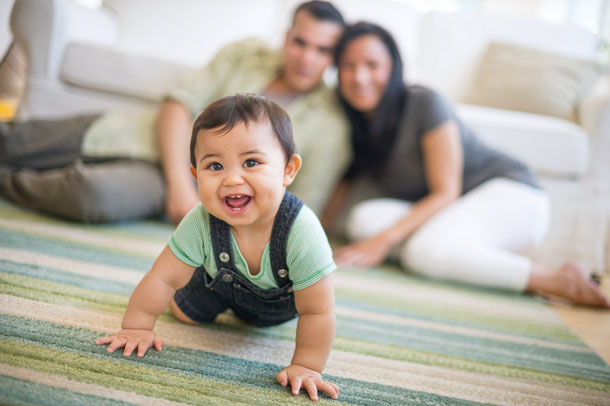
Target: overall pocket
[[262, 301]]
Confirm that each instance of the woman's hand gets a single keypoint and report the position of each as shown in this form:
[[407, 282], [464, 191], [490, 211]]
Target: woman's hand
[[131, 339], [366, 253]]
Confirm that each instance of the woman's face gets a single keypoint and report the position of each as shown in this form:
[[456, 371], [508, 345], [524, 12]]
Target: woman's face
[[364, 71]]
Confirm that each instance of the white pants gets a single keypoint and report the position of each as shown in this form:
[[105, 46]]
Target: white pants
[[481, 238]]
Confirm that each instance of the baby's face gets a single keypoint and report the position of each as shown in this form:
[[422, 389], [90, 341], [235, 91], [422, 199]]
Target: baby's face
[[242, 174]]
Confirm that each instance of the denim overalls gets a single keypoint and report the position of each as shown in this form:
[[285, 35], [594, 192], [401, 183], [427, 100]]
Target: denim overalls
[[204, 297]]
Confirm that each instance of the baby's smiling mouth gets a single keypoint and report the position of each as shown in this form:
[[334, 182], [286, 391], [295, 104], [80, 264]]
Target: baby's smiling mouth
[[236, 202]]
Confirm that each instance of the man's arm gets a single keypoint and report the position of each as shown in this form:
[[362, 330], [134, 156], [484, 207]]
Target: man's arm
[[173, 134]]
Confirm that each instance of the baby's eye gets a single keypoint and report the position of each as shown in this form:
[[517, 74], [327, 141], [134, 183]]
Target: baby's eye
[[250, 163], [215, 166]]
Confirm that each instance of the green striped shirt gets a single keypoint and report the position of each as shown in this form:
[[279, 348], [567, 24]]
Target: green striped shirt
[[309, 256]]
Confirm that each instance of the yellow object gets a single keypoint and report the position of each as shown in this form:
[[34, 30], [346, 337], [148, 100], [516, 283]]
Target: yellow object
[[8, 108]]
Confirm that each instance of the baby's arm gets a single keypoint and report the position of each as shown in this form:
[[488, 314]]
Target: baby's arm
[[150, 298], [315, 333]]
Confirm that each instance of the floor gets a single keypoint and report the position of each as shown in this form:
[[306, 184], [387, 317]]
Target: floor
[[592, 326], [579, 230]]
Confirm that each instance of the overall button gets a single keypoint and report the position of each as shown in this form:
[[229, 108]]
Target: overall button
[[224, 257], [282, 273], [227, 278]]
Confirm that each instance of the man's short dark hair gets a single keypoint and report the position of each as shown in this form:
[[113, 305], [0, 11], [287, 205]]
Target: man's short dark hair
[[229, 111], [321, 10]]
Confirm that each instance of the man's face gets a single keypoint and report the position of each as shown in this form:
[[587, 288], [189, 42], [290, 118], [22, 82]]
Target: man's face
[[308, 50]]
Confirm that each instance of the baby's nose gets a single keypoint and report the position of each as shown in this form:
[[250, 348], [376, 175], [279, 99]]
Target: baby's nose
[[233, 178]]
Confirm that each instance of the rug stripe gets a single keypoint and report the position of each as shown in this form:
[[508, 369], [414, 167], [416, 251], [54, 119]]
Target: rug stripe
[[86, 268], [249, 344], [61, 382], [363, 315], [409, 340], [103, 279], [454, 315], [74, 250], [176, 359], [128, 376], [17, 392], [531, 330], [390, 283], [182, 374], [46, 274], [85, 236], [596, 368], [396, 339]]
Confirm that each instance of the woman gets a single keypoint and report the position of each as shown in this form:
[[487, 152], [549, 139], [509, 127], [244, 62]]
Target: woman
[[453, 208]]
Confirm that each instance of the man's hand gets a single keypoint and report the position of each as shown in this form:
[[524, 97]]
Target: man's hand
[[179, 201], [132, 339], [300, 377]]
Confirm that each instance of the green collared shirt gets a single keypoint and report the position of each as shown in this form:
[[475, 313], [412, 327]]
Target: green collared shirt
[[320, 129], [308, 254]]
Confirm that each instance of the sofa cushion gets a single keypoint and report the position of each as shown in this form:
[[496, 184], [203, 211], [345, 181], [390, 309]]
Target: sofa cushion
[[549, 145], [96, 67], [525, 79], [191, 31], [452, 43]]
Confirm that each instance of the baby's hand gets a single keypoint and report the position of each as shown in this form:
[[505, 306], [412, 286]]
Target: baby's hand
[[300, 377], [132, 339]]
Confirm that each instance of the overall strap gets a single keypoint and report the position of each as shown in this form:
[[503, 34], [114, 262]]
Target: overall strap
[[286, 214], [221, 243]]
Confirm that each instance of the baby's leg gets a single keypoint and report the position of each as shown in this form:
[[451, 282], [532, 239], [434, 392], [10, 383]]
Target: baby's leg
[[179, 314]]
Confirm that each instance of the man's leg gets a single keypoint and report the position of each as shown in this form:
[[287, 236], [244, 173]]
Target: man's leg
[[43, 144], [110, 191]]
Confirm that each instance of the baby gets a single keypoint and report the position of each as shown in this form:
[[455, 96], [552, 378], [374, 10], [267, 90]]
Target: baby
[[249, 245]]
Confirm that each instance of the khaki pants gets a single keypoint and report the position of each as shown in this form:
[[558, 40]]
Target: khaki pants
[[41, 167]]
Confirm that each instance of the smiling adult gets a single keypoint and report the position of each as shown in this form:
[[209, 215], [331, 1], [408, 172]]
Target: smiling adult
[[430, 192], [127, 165]]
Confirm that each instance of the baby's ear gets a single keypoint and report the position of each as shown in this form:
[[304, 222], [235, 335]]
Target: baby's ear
[[291, 169], [194, 171]]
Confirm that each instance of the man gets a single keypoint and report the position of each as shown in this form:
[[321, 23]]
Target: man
[[96, 169]]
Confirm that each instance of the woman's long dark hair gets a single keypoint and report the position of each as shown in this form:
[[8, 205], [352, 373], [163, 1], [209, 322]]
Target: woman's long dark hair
[[373, 139]]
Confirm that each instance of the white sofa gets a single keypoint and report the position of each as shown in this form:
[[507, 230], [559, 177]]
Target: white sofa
[[127, 52]]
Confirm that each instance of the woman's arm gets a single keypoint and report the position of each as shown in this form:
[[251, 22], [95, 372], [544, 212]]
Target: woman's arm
[[443, 164]]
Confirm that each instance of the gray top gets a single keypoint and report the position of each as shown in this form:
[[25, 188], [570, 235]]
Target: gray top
[[403, 176]]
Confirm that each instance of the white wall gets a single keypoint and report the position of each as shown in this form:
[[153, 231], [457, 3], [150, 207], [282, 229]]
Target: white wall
[[5, 33]]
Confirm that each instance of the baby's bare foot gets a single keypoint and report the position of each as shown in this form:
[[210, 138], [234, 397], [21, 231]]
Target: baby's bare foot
[[575, 284]]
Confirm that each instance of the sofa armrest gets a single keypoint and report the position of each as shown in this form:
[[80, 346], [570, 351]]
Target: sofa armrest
[[43, 28], [594, 116], [594, 109]]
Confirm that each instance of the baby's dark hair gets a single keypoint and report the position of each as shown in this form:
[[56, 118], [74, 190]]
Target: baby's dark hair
[[229, 111]]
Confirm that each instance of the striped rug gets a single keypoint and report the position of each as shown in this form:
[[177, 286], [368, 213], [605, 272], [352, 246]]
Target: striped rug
[[401, 340]]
